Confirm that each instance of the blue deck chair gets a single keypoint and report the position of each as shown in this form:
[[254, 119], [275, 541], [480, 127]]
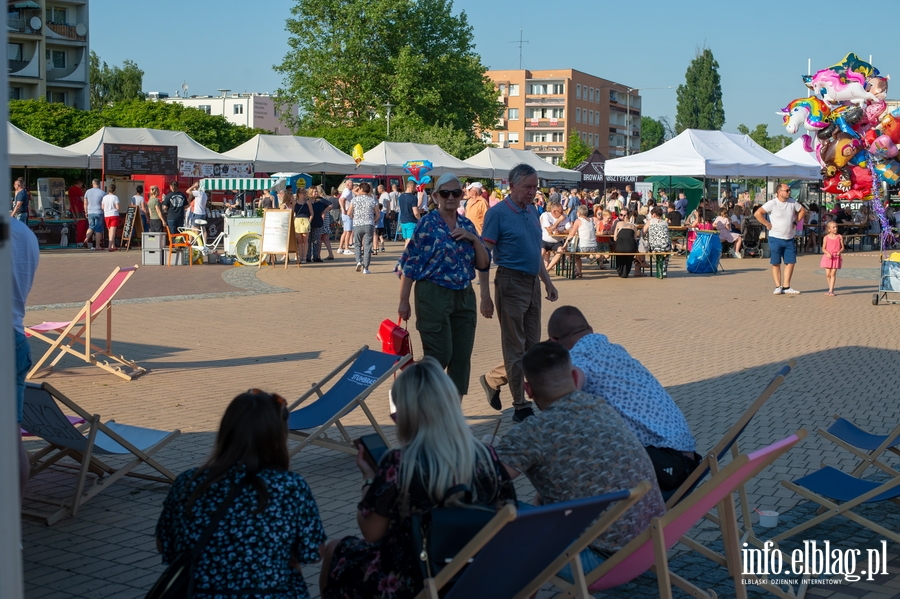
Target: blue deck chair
[[863, 444], [546, 532], [362, 373], [830, 483], [647, 551], [42, 417]]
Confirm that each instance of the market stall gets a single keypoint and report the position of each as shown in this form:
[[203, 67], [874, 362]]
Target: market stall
[[242, 227]]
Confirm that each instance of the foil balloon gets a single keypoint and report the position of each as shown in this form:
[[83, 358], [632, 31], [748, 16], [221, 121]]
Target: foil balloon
[[883, 147], [888, 170], [358, 154], [810, 113], [417, 170]]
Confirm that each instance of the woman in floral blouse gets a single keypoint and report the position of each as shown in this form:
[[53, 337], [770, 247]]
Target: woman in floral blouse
[[273, 525], [437, 451], [441, 258]]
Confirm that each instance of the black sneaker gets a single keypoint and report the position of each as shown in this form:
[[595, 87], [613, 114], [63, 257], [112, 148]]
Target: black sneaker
[[317, 260], [522, 414], [493, 395]]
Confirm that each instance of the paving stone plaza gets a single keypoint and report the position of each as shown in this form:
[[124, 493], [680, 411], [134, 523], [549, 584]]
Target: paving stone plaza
[[209, 332]]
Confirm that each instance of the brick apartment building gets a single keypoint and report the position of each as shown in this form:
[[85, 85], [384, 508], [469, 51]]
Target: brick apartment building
[[542, 108]]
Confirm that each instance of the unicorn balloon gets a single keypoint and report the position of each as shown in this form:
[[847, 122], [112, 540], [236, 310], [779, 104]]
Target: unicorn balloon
[[810, 113], [835, 88]]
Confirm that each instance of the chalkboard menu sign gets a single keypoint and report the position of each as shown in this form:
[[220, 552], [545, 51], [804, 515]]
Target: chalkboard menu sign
[[132, 159]]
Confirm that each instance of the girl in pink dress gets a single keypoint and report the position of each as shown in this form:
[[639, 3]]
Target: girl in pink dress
[[832, 248]]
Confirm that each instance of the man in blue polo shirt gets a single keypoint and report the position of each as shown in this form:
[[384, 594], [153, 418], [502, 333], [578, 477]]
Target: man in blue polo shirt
[[513, 234]]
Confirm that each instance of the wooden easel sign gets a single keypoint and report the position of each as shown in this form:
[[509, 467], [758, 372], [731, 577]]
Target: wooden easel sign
[[277, 236], [133, 225]]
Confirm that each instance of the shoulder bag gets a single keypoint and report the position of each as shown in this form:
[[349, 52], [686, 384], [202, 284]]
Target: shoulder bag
[[177, 582]]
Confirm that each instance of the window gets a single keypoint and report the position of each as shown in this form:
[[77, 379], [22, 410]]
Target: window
[[513, 114], [558, 88], [56, 59], [205, 108], [15, 93], [14, 51], [56, 15], [502, 88], [58, 97], [583, 136], [501, 138], [591, 118], [238, 109], [557, 136], [513, 137], [538, 89], [577, 115], [557, 113], [591, 94], [590, 139], [578, 91], [513, 89], [486, 138]]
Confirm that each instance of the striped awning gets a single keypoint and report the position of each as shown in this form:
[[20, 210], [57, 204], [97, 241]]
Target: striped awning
[[241, 184]]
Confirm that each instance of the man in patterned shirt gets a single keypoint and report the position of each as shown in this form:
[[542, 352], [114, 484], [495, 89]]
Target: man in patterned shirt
[[650, 412], [577, 446]]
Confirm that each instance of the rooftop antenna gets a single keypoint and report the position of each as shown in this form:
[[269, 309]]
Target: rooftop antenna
[[184, 88], [521, 42]]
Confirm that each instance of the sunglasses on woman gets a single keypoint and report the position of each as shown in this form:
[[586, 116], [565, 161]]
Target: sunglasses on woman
[[446, 193], [279, 400]]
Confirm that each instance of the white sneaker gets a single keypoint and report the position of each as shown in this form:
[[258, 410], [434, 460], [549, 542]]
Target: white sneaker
[[358, 266], [366, 271], [791, 291], [778, 291]]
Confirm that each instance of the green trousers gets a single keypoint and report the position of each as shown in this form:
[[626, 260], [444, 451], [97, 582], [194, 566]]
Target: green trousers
[[445, 319]]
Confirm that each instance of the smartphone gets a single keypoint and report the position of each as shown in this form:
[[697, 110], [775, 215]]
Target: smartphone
[[373, 448]]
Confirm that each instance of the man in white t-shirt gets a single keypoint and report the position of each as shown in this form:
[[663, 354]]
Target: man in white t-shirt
[[111, 214], [93, 207], [553, 221], [783, 215]]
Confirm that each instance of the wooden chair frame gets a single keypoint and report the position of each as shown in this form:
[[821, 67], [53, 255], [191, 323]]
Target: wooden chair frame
[[79, 331], [318, 436], [87, 459]]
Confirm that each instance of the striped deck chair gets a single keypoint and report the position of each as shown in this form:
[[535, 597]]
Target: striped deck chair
[[362, 373], [42, 417], [63, 337]]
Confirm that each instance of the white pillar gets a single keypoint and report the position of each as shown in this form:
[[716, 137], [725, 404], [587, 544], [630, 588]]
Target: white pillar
[[10, 518]]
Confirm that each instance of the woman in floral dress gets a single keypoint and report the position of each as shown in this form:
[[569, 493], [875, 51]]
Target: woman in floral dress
[[437, 451], [273, 525]]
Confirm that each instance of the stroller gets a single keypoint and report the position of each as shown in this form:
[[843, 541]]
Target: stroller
[[751, 231]]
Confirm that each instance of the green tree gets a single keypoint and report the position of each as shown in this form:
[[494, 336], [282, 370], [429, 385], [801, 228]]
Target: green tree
[[348, 58], [653, 133], [577, 151], [700, 97], [761, 136], [114, 84], [62, 125]]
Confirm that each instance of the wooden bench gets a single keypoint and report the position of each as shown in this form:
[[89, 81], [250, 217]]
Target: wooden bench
[[658, 263]]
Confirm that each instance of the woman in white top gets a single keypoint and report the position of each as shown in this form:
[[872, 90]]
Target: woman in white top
[[723, 226], [583, 227], [737, 219]]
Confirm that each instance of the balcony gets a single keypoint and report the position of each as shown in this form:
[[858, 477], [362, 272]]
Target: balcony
[[544, 101], [545, 123], [22, 24], [65, 31], [25, 68], [548, 147]]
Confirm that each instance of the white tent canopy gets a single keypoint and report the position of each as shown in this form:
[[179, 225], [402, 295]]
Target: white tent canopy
[[502, 160], [393, 155], [26, 150], [272, 153], [696, 153], [796, 153], [188, 149]]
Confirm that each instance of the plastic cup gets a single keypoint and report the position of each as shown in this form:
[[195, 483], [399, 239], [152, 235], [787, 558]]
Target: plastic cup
[[768, 518]]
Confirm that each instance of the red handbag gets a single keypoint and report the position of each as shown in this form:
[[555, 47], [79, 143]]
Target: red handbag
[[394, 338]]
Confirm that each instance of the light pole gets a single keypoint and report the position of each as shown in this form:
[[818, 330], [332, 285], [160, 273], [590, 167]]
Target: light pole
[[388, 105], [628, 120]]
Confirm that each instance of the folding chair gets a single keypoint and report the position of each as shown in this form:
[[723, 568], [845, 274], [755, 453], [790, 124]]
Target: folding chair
[[78, 331], [362, 373], [181, 240], [648, 550], [489, 573], [830, 483], [42, 417], [864, 445]]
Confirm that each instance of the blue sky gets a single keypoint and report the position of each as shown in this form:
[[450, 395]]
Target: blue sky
[[762, 47]]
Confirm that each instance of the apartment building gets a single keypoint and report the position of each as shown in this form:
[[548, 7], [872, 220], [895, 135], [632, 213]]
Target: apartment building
[[251, 110], [48, 51], [542, 108]]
